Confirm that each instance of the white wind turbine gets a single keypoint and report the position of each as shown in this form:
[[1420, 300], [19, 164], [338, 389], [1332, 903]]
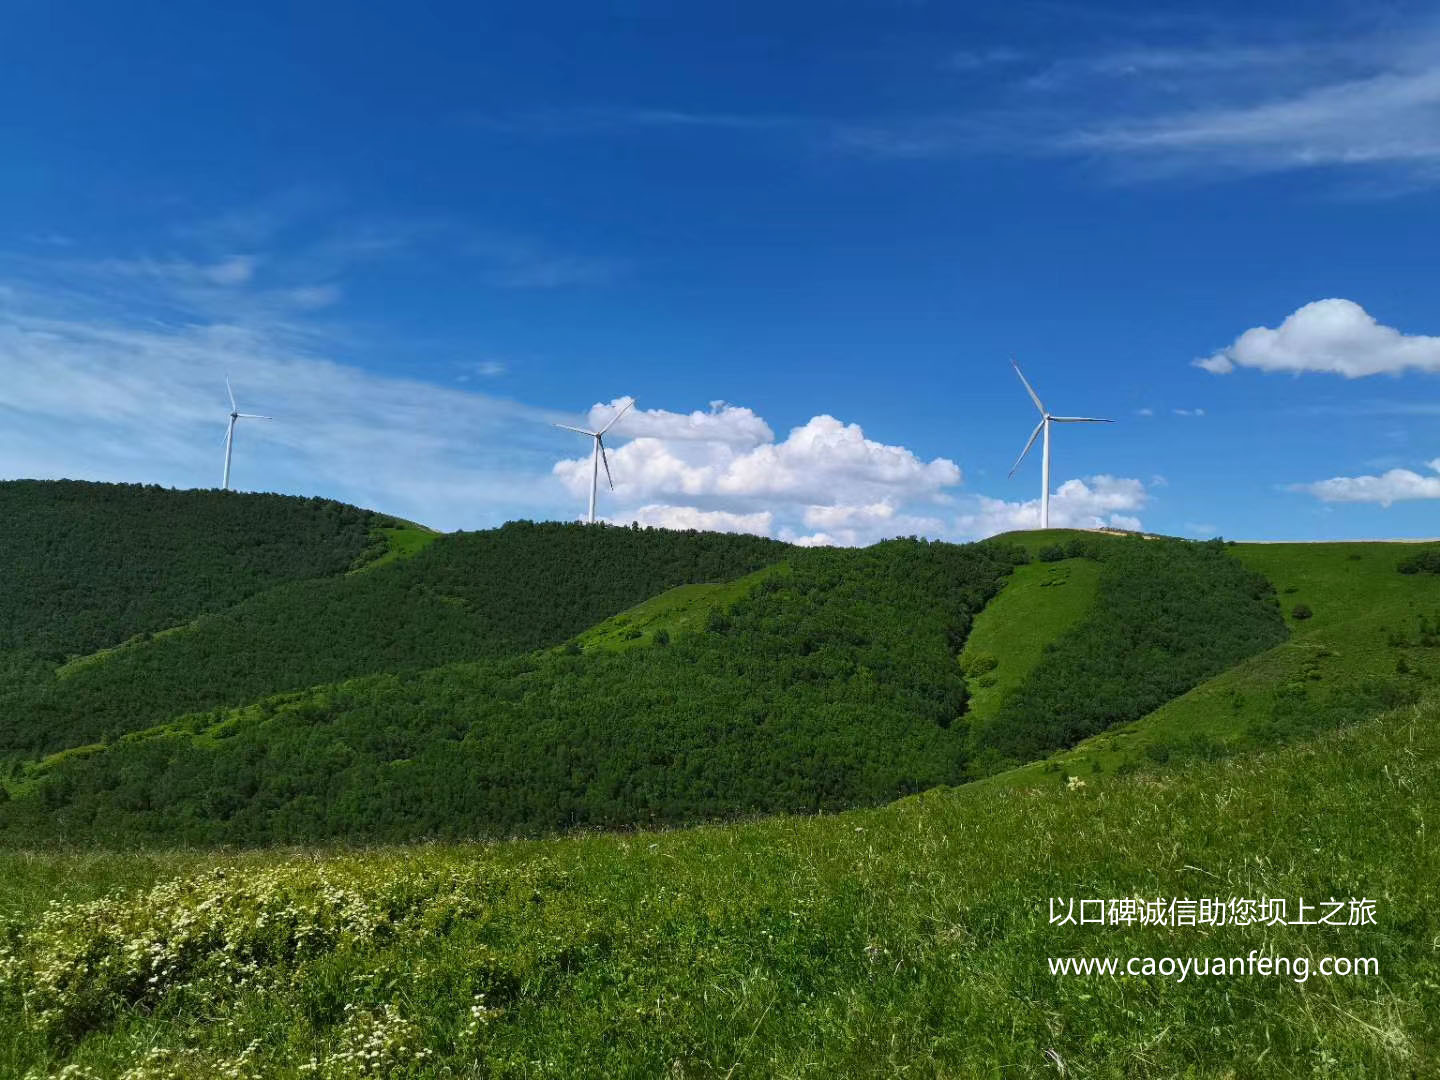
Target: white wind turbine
[[1045, 421], [235, 414], [598, 455]]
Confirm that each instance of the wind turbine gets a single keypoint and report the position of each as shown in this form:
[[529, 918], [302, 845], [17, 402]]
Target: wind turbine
[[598, 455], [235, 414], [1045, 421]]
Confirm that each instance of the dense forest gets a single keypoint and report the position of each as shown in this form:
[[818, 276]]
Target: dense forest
[[466, 596], [833, 683], [1169, 614], [89, 565]]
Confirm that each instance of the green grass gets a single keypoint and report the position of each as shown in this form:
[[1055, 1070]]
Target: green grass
[[1039, 603], [683, 608], [401, 542], [906, 941]]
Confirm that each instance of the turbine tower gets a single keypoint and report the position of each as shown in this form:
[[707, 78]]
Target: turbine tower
[[598, 454], [235, 414], [1044, 425]]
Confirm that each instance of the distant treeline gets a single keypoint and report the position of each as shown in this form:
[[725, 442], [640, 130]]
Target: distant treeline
[[466, 596], [834, 683], [1168, 615]]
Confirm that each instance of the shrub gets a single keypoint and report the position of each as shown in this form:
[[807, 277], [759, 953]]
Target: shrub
[[979, 663], [1052, 553], [662, 637], [1301, 611], [1424, 562]]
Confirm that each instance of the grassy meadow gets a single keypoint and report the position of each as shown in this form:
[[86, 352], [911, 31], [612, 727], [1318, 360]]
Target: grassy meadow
[[910, 940]]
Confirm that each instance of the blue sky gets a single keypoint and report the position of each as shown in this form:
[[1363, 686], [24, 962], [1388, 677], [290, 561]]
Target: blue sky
[[805, 237]]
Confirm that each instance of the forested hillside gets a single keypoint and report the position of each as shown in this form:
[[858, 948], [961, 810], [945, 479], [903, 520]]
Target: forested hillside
[[87, 566], [466, 596], [833, 683], [1167, 615]]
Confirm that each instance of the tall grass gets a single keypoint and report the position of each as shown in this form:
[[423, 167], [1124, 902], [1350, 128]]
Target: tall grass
[[906, 941]]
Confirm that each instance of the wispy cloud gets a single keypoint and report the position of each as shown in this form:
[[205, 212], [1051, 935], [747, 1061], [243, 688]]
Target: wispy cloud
[[1345, 97], [609, 119], [114, 369]]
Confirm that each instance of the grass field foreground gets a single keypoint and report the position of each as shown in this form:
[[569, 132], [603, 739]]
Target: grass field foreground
[[909, 940]]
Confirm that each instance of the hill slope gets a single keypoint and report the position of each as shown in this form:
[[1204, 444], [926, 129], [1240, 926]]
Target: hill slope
[[465, 596], [89, 565], [912, 939], [831, 682], [1167, 615], [1370, 640]]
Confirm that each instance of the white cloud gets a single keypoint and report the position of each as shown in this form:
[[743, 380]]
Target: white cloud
[[1335, 336], [690, 517], [1396, 485], [821, 462], [1145, 412], [487, 369], [1095, 502], [724, 423], [1188, 412], [824, 483]]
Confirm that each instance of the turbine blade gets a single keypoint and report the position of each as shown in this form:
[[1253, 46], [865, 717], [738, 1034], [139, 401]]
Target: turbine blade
[[251, 416], [606, 460], [231, 392], [1028, 388], [578, 430], [1033, 436], [616, 417], [1080, 420]]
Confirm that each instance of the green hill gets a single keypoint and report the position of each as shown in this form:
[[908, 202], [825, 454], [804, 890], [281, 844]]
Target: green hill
[[829, 682], [462, 596], [909, 940], [826, 681]]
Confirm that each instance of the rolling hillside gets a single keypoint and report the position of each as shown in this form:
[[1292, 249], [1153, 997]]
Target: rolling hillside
[[829, 682], [1188, 720], [822, 681], [463, 596]]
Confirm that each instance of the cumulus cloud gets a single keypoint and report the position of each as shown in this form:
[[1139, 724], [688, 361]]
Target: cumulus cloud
[[1188, 412], [691, 517], [1091, 503], [1395, 485], [723, 423], [821, 461], [825, 482], [1335, 336]]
